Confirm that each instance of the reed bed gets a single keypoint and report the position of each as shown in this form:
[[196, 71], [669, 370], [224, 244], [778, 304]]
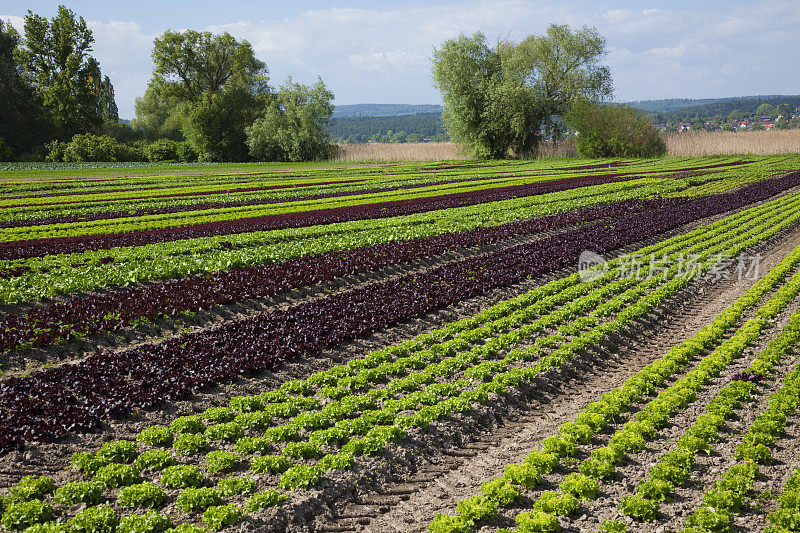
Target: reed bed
[[730, 143], [391, 152]]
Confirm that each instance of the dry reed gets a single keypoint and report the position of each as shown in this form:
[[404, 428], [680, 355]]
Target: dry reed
[[390, 152], [731, 143]]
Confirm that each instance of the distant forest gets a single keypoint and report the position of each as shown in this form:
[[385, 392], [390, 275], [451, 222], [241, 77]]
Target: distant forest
[[708, 110], [419, 127]]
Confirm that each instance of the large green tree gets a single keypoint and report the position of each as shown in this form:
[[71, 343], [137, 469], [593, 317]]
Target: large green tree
[[205, 87], [500, 98], [22, 125], [294, 126], [54, 59]]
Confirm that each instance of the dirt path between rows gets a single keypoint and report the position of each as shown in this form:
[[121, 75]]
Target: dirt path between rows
[[451, 475]]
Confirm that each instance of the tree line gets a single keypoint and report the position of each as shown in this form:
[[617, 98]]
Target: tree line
[[209, 99]]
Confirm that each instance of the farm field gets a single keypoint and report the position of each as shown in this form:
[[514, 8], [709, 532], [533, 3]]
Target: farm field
[[404, 347]]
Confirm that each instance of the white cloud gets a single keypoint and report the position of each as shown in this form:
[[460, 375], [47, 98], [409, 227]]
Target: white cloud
[[383, 54]]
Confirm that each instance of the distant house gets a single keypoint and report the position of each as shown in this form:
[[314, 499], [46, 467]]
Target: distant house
[[684, 126]]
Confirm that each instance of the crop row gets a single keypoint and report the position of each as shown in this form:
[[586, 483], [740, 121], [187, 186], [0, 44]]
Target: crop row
[[727, 494], [89, 314], [120, 464], [632, 437], [216, 223], [49, 403], [63, 274]]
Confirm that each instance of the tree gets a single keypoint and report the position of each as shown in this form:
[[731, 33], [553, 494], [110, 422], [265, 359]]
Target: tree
[[55, 61], [294, 126], [500, 98], [22, 124], [765, 110], [206, 88], [614, 130]]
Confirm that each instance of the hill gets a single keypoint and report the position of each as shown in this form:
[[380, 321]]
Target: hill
[[383, 110], [418, 127]]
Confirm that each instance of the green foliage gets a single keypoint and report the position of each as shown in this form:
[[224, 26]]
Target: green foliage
[[187, 528], [30, 488], [121, 451], [614, 130], [613, 526], [91, 147], [221, 516], [232, 486], [251, 445], [300, 476], [445, 523], [100, 519], [269, 463], [198, 499], [149, 522], [537, 522], [500, 491], [156, 459], [141, 495], [87, 462], [168, 150], [639, 508], [262, 500], [221, 461], [18, 516], [497, 99], [294, 125], [218, 414], [156, 436], [579, 485], [230, 431], [190, 443], [187, 424], [78, 492], [182, 476], [551, 502], [476, 508], [116, 475]]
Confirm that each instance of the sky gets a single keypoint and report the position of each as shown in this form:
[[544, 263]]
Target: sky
[[379, 51]]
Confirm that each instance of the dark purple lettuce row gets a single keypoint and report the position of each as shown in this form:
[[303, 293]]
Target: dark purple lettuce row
[[88, 314], [48, 404], [64, 245]]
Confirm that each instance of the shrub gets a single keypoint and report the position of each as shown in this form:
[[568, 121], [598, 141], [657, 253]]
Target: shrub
[[198, 499], [150, 522], [232, 486], [162, 150], [221, 461], [121, 451], [89, 147], [156, 436], [141, 495], [156, 459], [614, 130], [181, 476], [18, 516], [221, 516], [115, 475], [101, 519], [78, 492]]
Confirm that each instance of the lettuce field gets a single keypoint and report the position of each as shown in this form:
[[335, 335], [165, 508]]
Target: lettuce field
[[415, 347]]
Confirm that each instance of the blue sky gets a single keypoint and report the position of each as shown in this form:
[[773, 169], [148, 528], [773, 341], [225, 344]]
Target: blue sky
[[379, 51]]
